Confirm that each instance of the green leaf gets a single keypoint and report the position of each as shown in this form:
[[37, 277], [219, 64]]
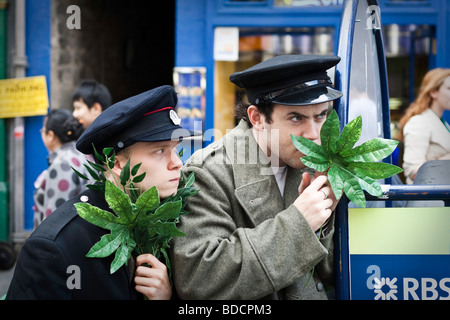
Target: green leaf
[[98, 155], [167, 260], [350, 134], [111, 160], [329, 134], [122, 256], [167, 229], [96, 166], [106, 246], [93, 174], [96, 187], [125, 174], [370, 185], [167, 211], [336, 180], [184, 193], [139, 178], [135, 169], [376, 170], [308, 147], [320, 164], [107, 151], [133, 192], [353, 189], [190, 180], [147, 201], [82, 176], [119, 202], [100, 218], [373, 150], [349, 170]]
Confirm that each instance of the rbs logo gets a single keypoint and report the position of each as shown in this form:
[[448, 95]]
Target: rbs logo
[[407, 288]]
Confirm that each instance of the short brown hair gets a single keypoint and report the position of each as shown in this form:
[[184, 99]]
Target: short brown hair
[[266, 108]]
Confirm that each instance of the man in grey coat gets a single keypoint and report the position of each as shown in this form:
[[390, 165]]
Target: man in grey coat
[[262, 225]]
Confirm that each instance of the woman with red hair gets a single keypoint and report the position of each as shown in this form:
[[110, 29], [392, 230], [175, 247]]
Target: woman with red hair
[[425, 133]]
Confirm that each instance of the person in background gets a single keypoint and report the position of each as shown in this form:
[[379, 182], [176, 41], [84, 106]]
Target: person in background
[[59, 182], [423, 130], [90, 99]]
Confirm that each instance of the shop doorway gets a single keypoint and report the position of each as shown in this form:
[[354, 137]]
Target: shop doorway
[[129, 46], [410, 53], [256, 45]]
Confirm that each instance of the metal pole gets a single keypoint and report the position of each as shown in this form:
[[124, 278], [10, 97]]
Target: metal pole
[[424, 192], [342, 83], [16, 154], [342, 253], [4, 214]]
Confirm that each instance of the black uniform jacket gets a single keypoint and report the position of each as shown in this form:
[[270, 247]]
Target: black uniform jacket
[[53, 262]]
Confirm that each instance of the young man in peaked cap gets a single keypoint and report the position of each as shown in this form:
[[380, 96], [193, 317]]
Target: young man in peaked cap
[[144, 129], [260, 222]]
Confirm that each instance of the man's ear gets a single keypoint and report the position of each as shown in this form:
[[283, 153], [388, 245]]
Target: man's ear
[[96, 108], [119, 163], [256, 117]]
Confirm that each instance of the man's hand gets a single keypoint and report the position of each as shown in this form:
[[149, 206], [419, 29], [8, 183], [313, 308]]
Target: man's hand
[[152, 282], [316, 200]]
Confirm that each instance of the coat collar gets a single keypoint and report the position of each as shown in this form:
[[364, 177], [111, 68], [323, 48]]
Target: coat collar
[[293, 179], [255, 186], [249, 162]]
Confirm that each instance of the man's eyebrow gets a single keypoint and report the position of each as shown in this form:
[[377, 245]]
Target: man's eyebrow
[[161, 144], [322, 112], [297, 114]]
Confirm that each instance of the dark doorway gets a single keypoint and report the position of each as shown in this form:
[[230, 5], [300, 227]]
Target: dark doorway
[[127, 45]]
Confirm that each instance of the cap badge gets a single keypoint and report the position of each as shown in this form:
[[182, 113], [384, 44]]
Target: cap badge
[[174, 117]]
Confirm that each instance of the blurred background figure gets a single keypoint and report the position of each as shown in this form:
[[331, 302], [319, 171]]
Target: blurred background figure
[[90, 99], [423, 129], [59, 182]]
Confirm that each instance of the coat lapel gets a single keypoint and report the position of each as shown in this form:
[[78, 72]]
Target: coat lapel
[[256, 188], [293, 178]]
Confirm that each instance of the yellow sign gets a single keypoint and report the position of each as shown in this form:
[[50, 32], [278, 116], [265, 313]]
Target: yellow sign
[[23, 97], [421, 230]]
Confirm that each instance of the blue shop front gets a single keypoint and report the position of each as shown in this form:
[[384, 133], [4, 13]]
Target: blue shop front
[[219, 37], [393, 249]]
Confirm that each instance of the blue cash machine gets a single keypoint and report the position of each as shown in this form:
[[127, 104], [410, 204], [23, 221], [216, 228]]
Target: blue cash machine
[[398, 248]]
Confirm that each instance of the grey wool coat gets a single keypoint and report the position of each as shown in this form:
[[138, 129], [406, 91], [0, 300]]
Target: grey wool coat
[[243, 239]]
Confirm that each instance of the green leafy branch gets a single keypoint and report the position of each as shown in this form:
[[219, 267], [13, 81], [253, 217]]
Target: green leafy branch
[[349, 170], [139, 223], [105, 163]]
